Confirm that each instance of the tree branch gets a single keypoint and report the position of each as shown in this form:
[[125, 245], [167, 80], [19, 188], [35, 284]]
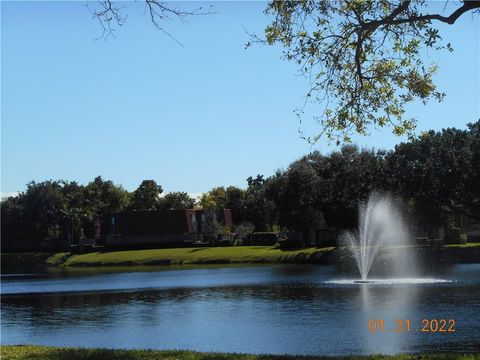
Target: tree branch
[[467, 6], [110, 16]]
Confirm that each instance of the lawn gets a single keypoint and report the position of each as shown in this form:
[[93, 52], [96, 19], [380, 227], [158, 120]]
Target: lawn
[[50, 353], [198, 255], [178, 256], [184, 256], [462, 246]]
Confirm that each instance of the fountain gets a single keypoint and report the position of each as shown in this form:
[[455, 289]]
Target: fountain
[[380, 224]]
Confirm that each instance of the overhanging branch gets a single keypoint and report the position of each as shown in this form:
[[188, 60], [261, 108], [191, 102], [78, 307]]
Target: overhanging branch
[[390, 20]]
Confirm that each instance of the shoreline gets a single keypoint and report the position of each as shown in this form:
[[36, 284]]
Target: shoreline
[[461, 253], [170, 257], [18, 352]]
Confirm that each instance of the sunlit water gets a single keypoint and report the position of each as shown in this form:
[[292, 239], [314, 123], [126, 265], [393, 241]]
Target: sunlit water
[[271, 309], [390, 281]]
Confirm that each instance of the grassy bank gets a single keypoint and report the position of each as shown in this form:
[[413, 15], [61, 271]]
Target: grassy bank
[[46, 353], [180, 256], [463, 246], [199, 256]]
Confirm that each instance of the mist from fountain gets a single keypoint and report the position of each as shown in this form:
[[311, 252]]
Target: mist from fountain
[[380, 224]]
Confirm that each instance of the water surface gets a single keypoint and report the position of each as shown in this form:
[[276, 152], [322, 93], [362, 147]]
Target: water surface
[[278, 309]]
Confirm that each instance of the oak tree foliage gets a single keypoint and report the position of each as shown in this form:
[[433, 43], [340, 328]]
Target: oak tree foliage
[[176, 200], [146, 196], [364, 59]]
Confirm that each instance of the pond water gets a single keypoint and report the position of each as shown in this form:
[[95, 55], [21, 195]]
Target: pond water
[[279, 309]]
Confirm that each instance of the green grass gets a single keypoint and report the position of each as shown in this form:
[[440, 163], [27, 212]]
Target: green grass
[[466, 245], [198, 255], [31, 352], [179, 256]]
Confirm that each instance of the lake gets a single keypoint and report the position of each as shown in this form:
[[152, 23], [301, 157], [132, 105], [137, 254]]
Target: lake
[[293, 309]]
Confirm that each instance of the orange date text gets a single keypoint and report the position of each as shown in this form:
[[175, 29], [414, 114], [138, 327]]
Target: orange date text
[[405, 325]]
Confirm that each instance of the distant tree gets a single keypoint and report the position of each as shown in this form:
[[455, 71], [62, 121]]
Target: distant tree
[[214, 199], [102, 197], [76, 217], [176, 200], [364, 59], [44, 203], [212, 225], [207, 201], [258, 208], [13, 222], [295, 194], [326, 187], [439, 173], [244, 229], [53, 210], [235, 201], [347, 177], [146, 196]]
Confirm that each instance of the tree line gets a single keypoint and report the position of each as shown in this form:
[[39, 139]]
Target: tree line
[[69, 211], [436, 174]]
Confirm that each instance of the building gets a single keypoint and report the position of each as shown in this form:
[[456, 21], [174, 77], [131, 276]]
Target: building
[[165, 228]]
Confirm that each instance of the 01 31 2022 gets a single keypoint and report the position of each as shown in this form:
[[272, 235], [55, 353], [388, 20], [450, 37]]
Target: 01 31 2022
[[406, 325]]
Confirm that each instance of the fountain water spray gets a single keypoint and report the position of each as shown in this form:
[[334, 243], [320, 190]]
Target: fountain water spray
[[380, 224]]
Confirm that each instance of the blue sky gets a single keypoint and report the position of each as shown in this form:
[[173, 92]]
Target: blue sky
[[191, 117]]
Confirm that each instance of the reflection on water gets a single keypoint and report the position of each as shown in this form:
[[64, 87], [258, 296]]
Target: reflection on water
[[398, 304], [391, 281], [277, 309]]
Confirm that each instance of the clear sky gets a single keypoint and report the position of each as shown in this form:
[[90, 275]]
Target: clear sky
[[191, 117]]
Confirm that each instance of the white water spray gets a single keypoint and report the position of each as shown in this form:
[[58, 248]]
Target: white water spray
[[380, 224]]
